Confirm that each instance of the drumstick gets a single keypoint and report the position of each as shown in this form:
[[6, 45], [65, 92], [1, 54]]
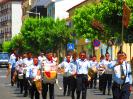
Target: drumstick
[[57, 83]]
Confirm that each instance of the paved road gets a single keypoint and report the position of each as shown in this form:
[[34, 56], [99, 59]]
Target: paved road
[[9, 92]]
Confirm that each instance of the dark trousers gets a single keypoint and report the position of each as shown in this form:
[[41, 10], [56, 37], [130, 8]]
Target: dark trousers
[[107, 82], [93, 81], [101, 80], [12, 74], [66, 85], [121, 91], [34, 91], [81, 81], [45, 88], [73, 86], [21, 85], [27, 86]]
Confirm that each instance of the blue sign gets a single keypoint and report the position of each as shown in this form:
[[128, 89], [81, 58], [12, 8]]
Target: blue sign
[[70, 46], [96, 43]]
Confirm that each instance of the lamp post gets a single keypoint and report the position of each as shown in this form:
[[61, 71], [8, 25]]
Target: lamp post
[[34, 13]]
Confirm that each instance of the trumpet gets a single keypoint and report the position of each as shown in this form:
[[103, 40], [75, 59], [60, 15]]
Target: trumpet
[[91, 72]]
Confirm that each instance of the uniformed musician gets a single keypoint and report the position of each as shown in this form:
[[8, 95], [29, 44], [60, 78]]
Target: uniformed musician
[[19, 69], [107, 74], [93, 64], [41, 57], [47, 84], [83, 66], [122, 78], [34, 69], [12, 62], [73, 69], [66, 76], [100, 72], [27, 62]]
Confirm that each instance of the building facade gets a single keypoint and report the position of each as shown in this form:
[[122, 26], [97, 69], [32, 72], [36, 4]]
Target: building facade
[[10, 19], [26, 6]]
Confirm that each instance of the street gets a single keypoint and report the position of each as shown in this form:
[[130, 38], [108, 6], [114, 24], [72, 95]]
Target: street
[[9, 92]]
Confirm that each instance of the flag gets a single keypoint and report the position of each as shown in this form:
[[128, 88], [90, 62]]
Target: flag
[[126, 15], [29, 2]]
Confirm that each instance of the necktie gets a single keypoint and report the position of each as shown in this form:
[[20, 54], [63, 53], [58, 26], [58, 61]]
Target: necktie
[[122, 72]]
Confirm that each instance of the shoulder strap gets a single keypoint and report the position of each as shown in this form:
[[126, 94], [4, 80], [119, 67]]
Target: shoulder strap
[[126, 74]]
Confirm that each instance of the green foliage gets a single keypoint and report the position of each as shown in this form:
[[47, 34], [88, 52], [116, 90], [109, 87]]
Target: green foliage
[[41, 34], [108, 13], [6, 46]]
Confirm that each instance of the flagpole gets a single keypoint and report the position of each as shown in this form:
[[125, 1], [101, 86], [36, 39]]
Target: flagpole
[[122, 31]]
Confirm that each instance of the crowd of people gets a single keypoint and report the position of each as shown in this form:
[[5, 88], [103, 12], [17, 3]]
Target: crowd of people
[[36, 75]]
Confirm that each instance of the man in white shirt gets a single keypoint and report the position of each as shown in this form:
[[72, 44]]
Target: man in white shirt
[[27, 62], [83, 66]]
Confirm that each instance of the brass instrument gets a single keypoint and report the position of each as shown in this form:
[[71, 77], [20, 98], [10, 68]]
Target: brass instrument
[[38, 84], [101, 69], [91, 72]]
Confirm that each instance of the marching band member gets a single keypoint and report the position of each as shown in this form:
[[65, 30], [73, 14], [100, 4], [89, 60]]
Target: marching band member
[[27, 62], [83, 66], [19, 69], [55, 59], [66, 76], [107, 76], [73, 67], [100, 72], [34, 69], [47, 83], [41, 58], [122, 78], [12, 62], [93, 64]]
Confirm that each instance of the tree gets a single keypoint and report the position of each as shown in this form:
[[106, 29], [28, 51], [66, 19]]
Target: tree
[[19, 43], [45, 33], [101, 21], [6, 46], [31, 31]]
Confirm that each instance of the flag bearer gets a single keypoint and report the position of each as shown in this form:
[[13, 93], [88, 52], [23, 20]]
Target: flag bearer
[[122, 78]]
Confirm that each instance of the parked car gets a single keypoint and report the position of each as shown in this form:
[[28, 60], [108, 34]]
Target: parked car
[[4, 59]]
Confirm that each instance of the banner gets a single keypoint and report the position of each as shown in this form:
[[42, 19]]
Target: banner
[[126, 15]]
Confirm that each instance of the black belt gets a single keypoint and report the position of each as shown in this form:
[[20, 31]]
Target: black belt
[[120, 85], [80, 75]]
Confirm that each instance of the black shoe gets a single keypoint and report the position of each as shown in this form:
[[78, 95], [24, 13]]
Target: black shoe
[[64, 94], [25, 94], [68, 94], [109, 93], [103, 93]]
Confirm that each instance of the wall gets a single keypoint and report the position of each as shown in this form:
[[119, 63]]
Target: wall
[[16, 17], [61, 6]]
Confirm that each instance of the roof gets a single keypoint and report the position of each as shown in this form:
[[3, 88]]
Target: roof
[[5, 1], [77, 5]]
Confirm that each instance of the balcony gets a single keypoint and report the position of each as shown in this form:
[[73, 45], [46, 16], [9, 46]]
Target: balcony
[[5, 11], [5, 23]]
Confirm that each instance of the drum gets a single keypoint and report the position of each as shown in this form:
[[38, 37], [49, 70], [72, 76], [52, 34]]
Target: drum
[[49, 74], [20, 76]]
